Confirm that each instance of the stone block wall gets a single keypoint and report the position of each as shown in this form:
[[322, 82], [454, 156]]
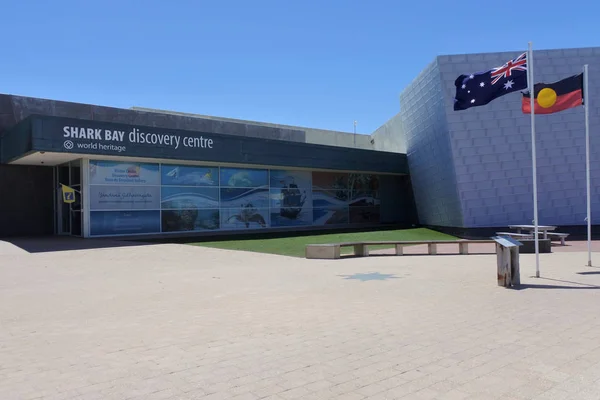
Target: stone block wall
[[491, 145], [429, 150]]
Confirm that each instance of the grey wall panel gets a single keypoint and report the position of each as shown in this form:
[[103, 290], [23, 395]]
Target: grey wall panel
[[17, 108], [390, 136], [15, 142], [429, 150]]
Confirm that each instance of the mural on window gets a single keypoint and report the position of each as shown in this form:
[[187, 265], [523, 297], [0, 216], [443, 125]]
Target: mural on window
[[330, 198], [291, 198], [364, 198], [244, 197], [246, 217], [189, 220], [150, 198], [329, 180], [184, 175], [178, 197], [124, 222], [245, 178]]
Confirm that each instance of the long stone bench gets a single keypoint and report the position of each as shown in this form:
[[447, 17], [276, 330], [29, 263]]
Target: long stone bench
[[361, 249]]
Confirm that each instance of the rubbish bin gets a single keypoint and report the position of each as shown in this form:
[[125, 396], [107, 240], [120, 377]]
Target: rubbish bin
[[507, 255]]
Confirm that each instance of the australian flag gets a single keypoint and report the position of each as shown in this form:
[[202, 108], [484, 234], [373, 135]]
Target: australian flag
[[480, 88]]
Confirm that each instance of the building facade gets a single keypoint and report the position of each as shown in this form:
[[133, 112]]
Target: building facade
[[152, 173]]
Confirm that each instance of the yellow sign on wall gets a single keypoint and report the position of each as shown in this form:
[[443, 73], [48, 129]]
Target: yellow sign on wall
[[68, 194]]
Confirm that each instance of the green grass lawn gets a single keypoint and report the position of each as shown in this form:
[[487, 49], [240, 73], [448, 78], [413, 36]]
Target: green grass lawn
[[294, 246]]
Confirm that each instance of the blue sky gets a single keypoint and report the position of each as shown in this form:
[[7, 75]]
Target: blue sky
[[310, 63]]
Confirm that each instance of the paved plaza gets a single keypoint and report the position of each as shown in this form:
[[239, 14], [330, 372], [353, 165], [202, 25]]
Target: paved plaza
[[174, 321]]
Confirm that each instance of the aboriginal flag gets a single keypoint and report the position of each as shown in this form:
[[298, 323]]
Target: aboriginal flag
[[554, 97]]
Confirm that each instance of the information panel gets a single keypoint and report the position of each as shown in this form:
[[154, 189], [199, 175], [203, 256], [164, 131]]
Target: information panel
[[119, 173]]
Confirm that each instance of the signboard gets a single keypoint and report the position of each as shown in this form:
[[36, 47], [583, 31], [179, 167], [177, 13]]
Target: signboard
[[123, 173], [116, 197]]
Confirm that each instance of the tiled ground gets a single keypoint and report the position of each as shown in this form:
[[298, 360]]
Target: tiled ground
[[183, 322]]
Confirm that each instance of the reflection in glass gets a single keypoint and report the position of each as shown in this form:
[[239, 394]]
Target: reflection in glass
[[244, 218], [330, 216], [242, 197], [189, 220], [328, 198], [361, 198], [329, 180], [178, 197], [184, 175], [364, 215], [367, 182], [290, 179], [241, 177]]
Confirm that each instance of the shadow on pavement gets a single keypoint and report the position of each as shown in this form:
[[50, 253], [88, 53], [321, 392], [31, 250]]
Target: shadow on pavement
[[58, 243], [524, 286], [546, 286]]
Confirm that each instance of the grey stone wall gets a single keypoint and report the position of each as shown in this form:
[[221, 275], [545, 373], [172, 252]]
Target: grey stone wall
[[491, 145], [429, 150], [390, 136]]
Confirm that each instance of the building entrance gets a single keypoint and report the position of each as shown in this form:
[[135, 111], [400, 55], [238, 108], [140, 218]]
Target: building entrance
[[68, 215]]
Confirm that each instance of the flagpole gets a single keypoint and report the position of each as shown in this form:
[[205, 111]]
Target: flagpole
[[530, 85], [586, 104]]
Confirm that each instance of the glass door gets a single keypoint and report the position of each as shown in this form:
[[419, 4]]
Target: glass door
[[68, 215]]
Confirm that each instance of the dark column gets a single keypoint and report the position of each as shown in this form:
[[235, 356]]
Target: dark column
[[26, 200]]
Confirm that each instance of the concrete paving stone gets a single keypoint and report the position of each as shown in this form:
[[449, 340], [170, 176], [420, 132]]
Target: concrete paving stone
[[142, 320]]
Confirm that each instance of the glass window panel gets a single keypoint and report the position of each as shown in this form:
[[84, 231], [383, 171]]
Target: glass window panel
[[124, 222], [120, 173], [178, 197], [241, 177], [242, 197], [329, 198], [330, 216], [190, 220], [183, 175], [290, 179], [329, 180], [244, 218], [364, 215], [113, 197]]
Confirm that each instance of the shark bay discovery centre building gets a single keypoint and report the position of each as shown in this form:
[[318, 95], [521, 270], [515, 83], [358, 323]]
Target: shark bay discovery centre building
[[145, 173]]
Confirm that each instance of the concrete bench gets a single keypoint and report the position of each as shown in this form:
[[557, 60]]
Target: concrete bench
[[361, 249], [558, 235]]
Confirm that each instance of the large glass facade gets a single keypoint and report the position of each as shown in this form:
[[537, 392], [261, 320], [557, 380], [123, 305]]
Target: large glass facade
[[145, 198]]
